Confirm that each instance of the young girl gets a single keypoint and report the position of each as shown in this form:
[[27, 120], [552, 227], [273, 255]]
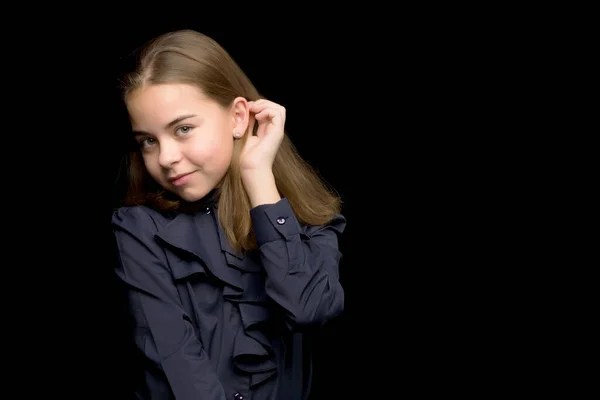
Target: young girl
[[228, 241]]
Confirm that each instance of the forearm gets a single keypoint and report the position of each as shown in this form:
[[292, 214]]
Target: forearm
[[302, 269]]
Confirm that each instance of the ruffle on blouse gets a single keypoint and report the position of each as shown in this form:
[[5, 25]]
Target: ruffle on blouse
[[252, 351], [243, 285]]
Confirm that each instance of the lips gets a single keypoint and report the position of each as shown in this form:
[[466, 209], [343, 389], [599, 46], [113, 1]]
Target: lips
[[181, 179], [176, 177]]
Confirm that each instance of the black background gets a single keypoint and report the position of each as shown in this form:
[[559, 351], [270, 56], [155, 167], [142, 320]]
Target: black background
[[375, 101]]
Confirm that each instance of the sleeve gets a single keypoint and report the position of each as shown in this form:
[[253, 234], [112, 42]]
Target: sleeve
[[301, 264], [175, 364]]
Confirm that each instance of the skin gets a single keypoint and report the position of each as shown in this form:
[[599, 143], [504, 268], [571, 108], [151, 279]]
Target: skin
[[182, 131]]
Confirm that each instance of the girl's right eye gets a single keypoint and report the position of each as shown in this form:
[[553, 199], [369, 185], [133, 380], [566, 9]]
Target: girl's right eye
[[146, 142]]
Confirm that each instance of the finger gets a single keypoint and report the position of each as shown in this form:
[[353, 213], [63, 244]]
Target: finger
[[267, 113], [261, 101], [259, 105], [270, 113], [268, 118], [252, 124]]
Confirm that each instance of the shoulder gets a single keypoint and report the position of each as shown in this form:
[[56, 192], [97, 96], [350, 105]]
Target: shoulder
[[137, 218]]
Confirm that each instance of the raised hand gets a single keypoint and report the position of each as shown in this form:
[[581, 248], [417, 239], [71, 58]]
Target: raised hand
[[259, 151], [258, 154]]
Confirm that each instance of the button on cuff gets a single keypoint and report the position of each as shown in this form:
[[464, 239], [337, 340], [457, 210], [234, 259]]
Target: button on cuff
[[274, 222]]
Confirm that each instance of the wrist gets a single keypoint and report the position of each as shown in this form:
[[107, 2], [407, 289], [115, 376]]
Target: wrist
[[260, 186]]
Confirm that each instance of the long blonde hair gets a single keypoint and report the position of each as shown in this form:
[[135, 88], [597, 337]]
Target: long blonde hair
[[190, 57]]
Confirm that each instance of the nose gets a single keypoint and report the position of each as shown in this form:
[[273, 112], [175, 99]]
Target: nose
[[169, 154]]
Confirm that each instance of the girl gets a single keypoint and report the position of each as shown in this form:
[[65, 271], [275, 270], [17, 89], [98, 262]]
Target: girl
[[228, 240]]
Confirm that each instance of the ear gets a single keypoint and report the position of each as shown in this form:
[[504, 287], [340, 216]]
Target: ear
[[240, 113]]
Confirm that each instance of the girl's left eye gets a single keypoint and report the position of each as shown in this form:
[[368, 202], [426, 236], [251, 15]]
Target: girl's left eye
[[184, 130]]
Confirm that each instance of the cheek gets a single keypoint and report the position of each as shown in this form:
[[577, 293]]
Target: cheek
[[152, 166], [217, 151]]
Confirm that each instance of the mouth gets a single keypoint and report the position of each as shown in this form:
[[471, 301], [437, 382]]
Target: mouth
[[181, 178]]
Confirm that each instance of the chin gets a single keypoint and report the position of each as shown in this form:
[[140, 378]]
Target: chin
[[191, 195]]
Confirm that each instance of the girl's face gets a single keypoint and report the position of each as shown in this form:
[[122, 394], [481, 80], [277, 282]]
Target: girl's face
[[185, 138]]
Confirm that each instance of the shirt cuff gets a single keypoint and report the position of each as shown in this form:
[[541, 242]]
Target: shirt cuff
[[274, 221]]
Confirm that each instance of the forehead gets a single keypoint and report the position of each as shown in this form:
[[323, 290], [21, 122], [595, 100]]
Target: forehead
[[159, 104]]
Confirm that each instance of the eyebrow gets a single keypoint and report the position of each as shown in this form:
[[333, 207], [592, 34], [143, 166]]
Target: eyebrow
[[170, 124]]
